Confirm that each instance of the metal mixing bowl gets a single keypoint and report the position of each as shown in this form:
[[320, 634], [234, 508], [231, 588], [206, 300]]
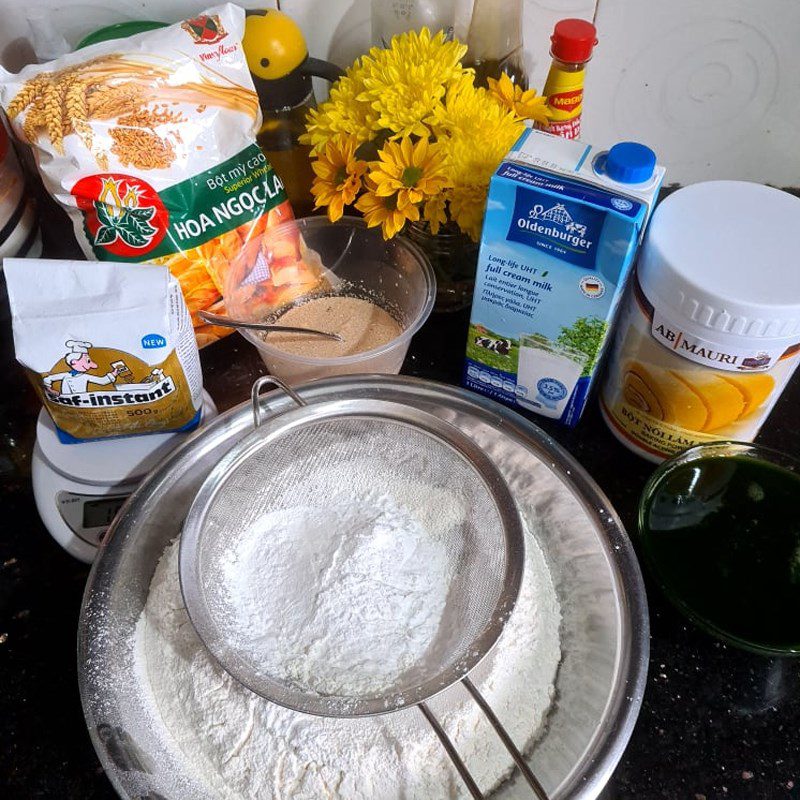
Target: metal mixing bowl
[[604, 626]]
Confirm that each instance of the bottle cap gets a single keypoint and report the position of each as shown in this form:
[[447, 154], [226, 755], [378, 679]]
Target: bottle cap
[[273, 44], [278, 59], [573, 40], [630, 162]]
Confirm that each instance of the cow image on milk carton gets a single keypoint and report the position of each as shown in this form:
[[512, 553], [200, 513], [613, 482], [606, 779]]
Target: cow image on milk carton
[[563, 221]]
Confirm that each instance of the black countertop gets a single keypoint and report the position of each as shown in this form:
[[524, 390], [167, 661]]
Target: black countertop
[[715, 722]]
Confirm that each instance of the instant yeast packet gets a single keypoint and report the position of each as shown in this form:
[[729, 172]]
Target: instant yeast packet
[[108, 347]]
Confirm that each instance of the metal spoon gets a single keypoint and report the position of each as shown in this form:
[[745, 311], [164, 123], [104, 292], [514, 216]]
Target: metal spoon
[[228, 322]]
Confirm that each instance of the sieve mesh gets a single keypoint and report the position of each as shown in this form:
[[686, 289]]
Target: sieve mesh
[[344, 460]]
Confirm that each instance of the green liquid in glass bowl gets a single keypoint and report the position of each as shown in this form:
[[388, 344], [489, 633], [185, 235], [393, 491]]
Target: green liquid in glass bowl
[[719, 526]]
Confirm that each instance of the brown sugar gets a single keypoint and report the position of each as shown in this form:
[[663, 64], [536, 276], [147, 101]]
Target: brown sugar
[[362, 325]]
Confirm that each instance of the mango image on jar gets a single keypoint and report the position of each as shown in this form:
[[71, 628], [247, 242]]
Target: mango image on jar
[[755, 389], [661, 395], [696, 400]]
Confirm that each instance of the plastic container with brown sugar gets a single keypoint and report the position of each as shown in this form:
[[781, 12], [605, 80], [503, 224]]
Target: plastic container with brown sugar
[[394, 276]]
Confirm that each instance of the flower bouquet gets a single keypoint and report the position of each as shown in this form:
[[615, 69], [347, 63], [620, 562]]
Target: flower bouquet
[[406, 136]]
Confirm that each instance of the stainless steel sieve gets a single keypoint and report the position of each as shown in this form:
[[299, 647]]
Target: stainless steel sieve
[[400, 443]]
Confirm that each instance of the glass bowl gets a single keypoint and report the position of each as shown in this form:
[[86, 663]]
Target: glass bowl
[[356, 262], [719, 529]]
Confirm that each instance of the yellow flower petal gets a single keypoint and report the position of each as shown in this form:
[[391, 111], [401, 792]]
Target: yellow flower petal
[[335, 208], [435, 212], [411, 171], [338, 175], [406, 150], [386, 212]]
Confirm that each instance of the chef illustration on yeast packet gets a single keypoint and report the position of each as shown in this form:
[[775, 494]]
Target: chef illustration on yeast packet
[[77, 380]]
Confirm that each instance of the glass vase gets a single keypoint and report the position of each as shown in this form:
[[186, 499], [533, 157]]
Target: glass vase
[[454, 257]]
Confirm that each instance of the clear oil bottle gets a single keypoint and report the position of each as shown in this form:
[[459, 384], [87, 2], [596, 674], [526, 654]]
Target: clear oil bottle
[[282, 70]]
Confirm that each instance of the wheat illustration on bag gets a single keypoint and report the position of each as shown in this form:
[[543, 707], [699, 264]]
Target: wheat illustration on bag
[[118, 87], [150, 145]]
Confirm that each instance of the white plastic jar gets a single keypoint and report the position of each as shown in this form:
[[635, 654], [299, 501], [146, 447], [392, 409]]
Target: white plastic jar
[[710, 331]]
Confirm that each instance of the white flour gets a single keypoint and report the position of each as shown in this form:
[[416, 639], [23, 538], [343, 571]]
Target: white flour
[[241, 746], [337, 600]]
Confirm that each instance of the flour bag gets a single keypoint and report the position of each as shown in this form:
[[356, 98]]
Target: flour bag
[[149, 143], [109, 348]]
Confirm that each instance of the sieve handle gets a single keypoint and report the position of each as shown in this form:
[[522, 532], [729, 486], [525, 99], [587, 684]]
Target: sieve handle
[[519, 760], [451, 752], [255, 395], [461, 767]]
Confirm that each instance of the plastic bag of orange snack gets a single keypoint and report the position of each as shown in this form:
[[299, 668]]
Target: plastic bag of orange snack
[[149, 143], [271, 274]]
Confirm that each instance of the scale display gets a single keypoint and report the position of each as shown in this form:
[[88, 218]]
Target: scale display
[[101, 513], [88, 516]]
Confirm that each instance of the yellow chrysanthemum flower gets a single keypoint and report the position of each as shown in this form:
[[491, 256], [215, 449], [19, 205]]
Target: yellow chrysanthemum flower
[[410, 172], [406, 81], [467, 206], [383, 211], [435, 138], [341, 113], [525, 104], [460, 104], [475, 133], [338, 175], [435, 211]]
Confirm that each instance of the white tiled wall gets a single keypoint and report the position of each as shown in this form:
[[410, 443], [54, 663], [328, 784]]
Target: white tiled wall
[[713, 86]]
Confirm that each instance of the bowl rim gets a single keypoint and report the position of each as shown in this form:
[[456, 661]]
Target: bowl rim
[[719, 449], [405, 335]]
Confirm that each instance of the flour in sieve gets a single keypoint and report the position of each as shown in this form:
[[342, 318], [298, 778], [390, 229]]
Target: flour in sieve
[[236, 745], [338, 600]]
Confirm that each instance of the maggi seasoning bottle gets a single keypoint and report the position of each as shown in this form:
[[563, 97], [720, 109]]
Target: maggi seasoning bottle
[[573, 41]]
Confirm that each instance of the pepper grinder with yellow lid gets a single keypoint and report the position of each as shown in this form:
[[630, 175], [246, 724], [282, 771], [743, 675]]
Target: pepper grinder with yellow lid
[[282, 70]]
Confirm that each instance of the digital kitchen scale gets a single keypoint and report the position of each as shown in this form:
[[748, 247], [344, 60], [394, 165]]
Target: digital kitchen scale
[[79, 488]]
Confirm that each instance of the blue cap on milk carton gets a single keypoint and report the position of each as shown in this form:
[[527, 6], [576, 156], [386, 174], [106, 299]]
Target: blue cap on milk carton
[[629, 162]]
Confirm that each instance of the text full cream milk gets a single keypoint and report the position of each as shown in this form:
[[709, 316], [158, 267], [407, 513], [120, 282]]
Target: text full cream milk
[[563, 221]]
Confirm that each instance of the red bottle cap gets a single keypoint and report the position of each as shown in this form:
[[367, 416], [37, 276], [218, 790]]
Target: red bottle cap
[[573, 40]]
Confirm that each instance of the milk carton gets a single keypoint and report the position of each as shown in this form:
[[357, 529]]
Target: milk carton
[[563, 221]]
